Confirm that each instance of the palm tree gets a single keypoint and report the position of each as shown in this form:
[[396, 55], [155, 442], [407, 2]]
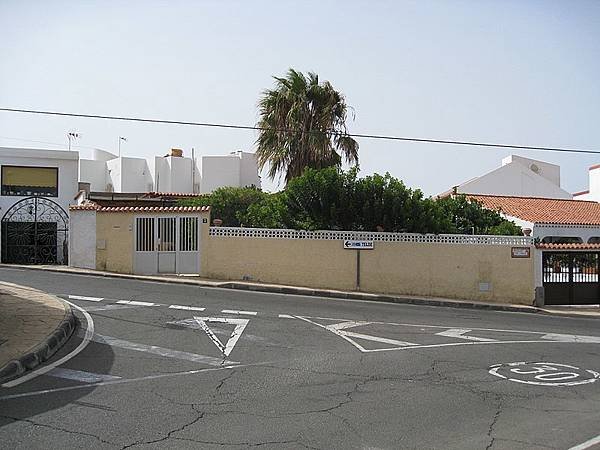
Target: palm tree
[[303, 124]]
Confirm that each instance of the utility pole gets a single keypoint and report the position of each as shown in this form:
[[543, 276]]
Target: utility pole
[[193, 172]]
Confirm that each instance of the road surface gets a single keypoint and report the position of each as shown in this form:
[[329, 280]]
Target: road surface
[[173, 366]]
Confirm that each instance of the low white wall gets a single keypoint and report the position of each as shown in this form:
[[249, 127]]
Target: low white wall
[[82, 239]]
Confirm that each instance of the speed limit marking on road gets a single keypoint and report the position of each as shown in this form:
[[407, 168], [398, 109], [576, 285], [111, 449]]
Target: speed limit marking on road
[[544, 373]]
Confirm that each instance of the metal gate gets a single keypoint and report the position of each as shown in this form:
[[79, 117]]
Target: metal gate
[[571, 278], [35, 230], [166, 245]]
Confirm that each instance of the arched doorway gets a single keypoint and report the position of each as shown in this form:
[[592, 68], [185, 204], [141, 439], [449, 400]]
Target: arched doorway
[[35, 230]]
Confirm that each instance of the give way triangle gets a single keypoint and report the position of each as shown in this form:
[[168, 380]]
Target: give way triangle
[[226, 349]]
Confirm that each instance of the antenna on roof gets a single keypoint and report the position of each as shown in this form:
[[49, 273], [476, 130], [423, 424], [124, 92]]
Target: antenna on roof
[[71, 136]]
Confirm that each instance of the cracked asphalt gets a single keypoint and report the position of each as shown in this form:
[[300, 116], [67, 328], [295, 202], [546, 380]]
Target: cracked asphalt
[[327, 374]]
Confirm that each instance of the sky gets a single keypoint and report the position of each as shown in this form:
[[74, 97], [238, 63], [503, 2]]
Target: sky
[[509, 72]]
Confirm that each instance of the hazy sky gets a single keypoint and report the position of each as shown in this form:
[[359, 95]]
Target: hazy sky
[[522, 72]]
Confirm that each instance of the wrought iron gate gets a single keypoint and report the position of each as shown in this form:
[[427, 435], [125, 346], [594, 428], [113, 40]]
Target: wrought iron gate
[[571, 278], [35, 230]]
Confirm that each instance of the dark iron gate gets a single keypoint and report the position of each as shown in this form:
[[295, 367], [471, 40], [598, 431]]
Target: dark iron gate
[[35, 231], [571, 278]]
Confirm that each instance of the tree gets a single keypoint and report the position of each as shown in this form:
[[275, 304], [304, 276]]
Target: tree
[[229, 204], [303, 124], [467, 216], [333, 199]]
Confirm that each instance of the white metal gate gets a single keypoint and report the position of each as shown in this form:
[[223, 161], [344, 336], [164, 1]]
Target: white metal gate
[[166, 244]]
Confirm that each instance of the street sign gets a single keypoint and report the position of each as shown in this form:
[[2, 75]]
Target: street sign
[[358, 245], [520, 252]]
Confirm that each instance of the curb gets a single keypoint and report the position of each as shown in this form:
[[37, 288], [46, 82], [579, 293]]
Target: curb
[[44, 350], [234, 285]]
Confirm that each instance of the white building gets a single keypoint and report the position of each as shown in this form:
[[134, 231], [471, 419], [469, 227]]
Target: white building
[[171, 173], [37, 188], [593, 192], [517, 176]]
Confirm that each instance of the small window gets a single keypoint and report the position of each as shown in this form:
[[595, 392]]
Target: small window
[[562, 240], [594, 240], [30, 181]]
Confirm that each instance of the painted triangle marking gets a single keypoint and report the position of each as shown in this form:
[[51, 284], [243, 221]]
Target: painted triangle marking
[[340, 330], [240, 325]]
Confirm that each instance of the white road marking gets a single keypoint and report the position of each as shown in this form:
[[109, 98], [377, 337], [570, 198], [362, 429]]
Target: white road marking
[[89, 333], [240, 325], [285, 316], [544, 374], [130, 380], [108, 307], [166, 352], [87, 299], [136, 303], [587, 444], [339, 329], [459, 333], [187, 308], [235, 311], [571, 338], [79, 375]]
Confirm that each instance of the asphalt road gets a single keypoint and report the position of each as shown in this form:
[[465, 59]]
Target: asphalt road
[[247, 369]]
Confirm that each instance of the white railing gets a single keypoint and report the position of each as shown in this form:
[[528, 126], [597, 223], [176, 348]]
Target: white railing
[[268, 233]]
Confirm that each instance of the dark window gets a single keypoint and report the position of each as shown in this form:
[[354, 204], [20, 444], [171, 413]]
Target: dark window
[[562, 240], [594, 240], [28, 181]]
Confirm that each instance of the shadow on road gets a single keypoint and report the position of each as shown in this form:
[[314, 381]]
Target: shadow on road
[[47, 392]]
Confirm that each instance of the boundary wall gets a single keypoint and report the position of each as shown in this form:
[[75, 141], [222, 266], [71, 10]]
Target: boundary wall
[[480, 268]]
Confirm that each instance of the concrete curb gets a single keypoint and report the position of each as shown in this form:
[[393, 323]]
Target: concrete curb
[[276, 289], [44, 350]]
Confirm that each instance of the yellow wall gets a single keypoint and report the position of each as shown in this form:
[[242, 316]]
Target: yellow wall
[[115, 230], [311, 263], [438, 270]]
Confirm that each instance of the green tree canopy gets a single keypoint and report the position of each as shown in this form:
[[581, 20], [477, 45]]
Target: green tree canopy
[[332, 199], [303, 124]]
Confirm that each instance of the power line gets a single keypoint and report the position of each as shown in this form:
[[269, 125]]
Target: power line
[[354, 135], [55, 144]]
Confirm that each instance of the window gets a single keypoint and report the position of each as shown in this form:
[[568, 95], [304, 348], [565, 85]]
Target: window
[[594, 240], [562, 240], [27, 181]]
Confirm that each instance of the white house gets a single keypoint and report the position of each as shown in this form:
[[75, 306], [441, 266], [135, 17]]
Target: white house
[[37, 187], [517, 176], [170, 173], [593, 192]]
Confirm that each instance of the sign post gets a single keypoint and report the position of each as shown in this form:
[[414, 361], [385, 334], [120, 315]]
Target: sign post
[[358, 246]]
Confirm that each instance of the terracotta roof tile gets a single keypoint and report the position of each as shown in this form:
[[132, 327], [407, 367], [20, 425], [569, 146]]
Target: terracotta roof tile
[[173, 194], [153, 208], [544, 210], [91, 206], [573, 246]]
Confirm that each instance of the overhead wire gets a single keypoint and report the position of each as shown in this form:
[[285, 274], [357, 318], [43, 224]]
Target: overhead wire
[[334, 132]]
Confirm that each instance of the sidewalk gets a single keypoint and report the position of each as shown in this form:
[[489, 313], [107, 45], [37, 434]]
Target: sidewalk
[[578, 311], [33, 326]]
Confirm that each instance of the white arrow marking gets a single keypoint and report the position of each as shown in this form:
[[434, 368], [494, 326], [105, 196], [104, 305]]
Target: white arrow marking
[[339, 329], [459, 333], [240, 325]]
